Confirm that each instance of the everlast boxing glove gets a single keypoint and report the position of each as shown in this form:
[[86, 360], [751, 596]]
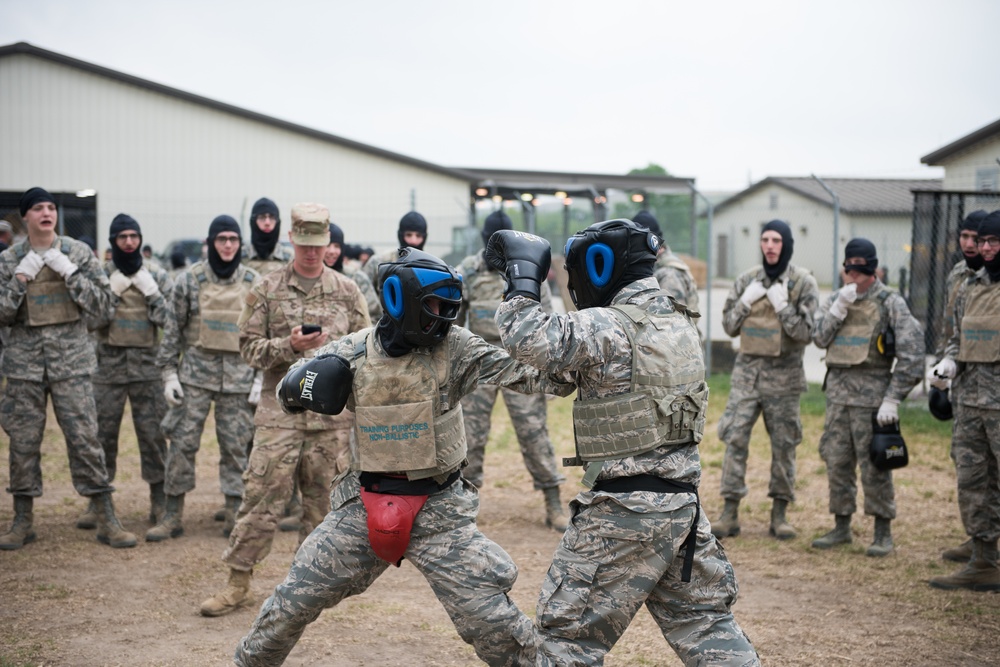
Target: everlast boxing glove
[[321, 385], [524, 260]]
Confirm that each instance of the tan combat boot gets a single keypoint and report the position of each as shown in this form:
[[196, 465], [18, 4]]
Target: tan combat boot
[[841, 534], [236, 595], [88, 520], [882, 545], [292, 521], [232, 508], [728, 524], [555, 515], [109, 530], [20, 532], [981, 573], [780, 528], [960, 554], [157, 503], [170, 525]]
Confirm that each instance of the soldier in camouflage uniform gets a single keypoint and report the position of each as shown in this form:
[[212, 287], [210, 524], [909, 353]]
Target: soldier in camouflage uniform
[[200, 363], [334, 258], [126, 362], [964, 269], [412, 233], [637, 535], [265, 253], [482, 295], [771, 309], [670, 271], [51, 289], [972, 358], [306, 450], [856, 327], [404, 496]]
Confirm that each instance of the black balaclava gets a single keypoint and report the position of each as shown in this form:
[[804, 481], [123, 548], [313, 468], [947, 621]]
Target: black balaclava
[[33, 196], [264, 243], [351, 250], [391, 337], [178, 260], [412, 222], [648, 220], [787, 245], [864, 249], [337, 236], [971, 224], [127, 262], [990, 226], [494, 222], [223, 223]]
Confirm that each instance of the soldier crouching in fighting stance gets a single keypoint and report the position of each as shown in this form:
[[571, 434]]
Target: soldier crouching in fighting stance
[[637, 534], [405, 496]]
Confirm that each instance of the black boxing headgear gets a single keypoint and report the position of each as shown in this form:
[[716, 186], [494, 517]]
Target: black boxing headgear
[[607, 256], [787, 245], [126, 262], [412, 222], [33, 196], [494, 222], [864, 249], [264, 242], [223, 223], [939, 403], [406, 285]]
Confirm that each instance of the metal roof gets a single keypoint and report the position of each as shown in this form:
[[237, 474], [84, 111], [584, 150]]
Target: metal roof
[[968, 141], [506, 181], [857, 195]]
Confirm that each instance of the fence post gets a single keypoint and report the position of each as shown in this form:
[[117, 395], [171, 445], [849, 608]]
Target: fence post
[[708, 283], [836, 229]]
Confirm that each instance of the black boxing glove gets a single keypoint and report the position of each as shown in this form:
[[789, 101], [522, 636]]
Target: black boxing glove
[[523, 259], [322, 385]]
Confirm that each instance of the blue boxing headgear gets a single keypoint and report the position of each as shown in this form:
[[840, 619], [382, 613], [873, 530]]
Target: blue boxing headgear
[[607, 256], [406, 286]]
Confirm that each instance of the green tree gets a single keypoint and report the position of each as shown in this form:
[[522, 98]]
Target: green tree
[[672, 211]]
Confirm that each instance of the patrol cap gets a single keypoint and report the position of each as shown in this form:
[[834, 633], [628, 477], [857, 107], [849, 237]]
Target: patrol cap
[[310, 224]]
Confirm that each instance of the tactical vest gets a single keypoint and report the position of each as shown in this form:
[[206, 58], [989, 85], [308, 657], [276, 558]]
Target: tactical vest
[[485, 296], [761, 333], [131, 326], [979, 340], [855, 342], [398, 422], [215, 327], [47, 300], [667, 396]]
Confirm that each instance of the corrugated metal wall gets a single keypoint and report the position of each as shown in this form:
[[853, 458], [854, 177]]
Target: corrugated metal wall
[[174, 164]]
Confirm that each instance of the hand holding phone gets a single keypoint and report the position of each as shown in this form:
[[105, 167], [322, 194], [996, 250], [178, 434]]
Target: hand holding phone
[[308, 329]]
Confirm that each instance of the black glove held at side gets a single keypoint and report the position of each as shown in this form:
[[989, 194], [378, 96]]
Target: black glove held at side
[[322, 385], [524, 259]]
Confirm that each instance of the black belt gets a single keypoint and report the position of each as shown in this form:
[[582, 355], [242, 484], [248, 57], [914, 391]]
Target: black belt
[[374, 482], [660, 485]]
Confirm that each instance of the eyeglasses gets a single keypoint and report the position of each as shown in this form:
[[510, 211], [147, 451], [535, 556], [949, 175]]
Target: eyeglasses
[[227, 240], [991, 241]]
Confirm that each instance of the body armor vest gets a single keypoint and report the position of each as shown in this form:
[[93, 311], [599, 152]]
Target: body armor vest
[[47, 300], [667, 397], [761, 333], [215, 327], [855, 343], [485, 296], [980, 334], [131, 326], [399, 423]]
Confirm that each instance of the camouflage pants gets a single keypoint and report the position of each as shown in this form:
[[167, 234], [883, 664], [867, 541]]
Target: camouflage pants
[[847, 435], [976, 451], [148, 409], [528, 413], [469, 574], [280, 458], [183, 427], [22, 416], [781, 418], [611, 561]]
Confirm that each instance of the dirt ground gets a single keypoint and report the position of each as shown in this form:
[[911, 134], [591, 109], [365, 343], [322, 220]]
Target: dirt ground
[[66, 600]]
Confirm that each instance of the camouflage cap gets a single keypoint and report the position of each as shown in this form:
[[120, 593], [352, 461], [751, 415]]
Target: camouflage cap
[[310, 225]]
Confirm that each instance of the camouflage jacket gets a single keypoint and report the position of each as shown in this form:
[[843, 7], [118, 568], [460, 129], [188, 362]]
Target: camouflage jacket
[[121, 365], [224, 372], [276, 304], [364, 284], [959, 274], [976, 383], [675, 278], [58, 351], [772, 376], [371, 266], [865, 386], [591, 348], [472, 289], [280, 256]]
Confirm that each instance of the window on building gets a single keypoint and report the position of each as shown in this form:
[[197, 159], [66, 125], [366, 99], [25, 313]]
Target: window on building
[[988, 179], [774, 201]]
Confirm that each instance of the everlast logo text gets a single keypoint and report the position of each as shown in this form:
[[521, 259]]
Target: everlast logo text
[[306, 385]]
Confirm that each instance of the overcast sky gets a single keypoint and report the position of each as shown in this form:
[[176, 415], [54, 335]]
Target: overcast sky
[[722, 92]]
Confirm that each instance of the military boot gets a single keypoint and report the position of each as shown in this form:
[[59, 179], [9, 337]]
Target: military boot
[[555, 515], [882, 545], [780, 528], [157, 503], [981, 573], [960, 554], [220, 514], [232, 507], [292, 521], [20, 532], [109, 529], [236, 595], [88, 520], [170, 525], [841, 534], [728, 524]]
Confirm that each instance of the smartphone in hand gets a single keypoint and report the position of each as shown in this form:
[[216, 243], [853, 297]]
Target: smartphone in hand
[[311, 329]]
